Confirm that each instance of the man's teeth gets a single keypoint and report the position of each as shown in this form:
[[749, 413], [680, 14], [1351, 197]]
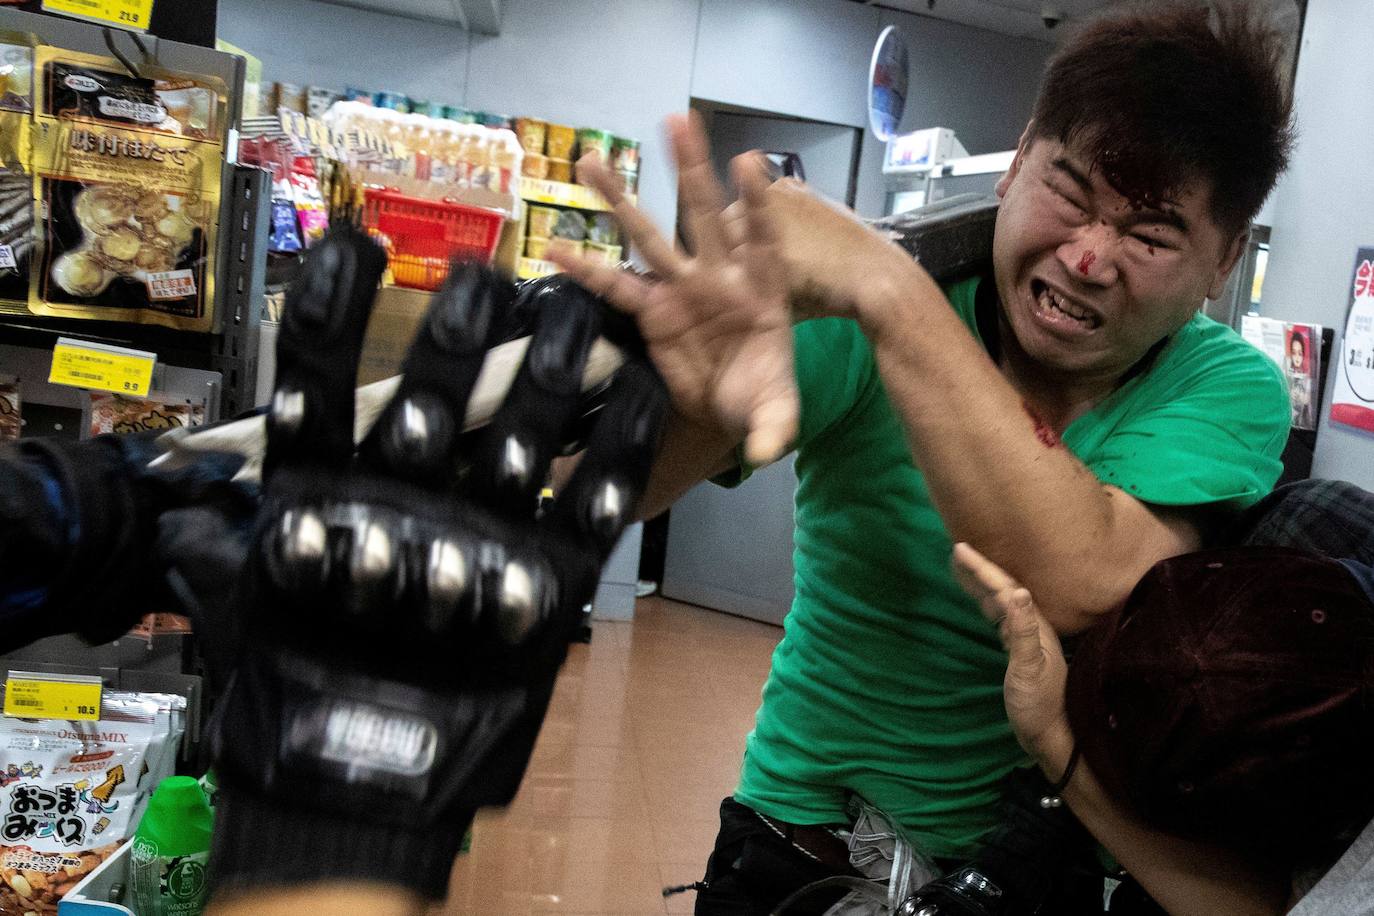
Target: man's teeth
[[1049, 300]]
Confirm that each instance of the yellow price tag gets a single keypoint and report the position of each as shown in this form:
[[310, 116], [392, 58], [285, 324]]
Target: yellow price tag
[[39, 696], [133, 15], [83, 364]]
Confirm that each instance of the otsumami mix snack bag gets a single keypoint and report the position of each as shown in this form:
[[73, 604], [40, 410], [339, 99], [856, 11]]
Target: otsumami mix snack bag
[[68, 793], [127, 177]]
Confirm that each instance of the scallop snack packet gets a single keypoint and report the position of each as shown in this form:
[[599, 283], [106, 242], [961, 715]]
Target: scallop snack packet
[[127, 182]]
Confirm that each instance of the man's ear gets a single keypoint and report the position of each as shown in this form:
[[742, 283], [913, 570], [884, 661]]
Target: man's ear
[[1227, 264], [1009, 176]]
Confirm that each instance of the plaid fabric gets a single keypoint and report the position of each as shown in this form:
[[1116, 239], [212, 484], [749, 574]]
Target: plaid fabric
[[1330, 518]]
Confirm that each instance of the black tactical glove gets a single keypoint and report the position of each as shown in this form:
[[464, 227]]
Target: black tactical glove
[[404, 609]]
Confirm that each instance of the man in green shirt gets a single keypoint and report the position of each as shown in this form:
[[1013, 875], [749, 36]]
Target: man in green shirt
[[1073, 416]]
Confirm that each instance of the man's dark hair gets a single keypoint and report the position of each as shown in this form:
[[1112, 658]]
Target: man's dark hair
[[1157, 98]]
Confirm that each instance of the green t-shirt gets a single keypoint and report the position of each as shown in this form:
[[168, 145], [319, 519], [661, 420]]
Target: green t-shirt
[[888, 681]]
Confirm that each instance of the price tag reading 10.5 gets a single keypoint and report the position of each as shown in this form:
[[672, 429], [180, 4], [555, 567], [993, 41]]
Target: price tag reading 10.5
[[132, 15], [30, 695]]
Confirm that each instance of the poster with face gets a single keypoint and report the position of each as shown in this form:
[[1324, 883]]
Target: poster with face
[[1296, 348], [1352, 401], [1302, 355]]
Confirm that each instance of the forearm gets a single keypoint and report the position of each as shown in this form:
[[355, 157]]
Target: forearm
[[690, 453], [340, 898], [999, 475], [1185, 877]]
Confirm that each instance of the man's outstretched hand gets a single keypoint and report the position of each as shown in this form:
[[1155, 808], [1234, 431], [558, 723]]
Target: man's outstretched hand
[[716, 321]]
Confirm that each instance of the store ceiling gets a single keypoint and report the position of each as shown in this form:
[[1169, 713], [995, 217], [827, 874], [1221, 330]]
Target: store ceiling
[[1026, 17], [480, 16]]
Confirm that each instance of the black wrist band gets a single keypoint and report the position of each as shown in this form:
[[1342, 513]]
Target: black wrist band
[[261, 844], [1054, 797]]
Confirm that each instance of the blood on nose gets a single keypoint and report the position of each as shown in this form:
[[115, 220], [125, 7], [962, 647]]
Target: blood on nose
[[1085, 263]]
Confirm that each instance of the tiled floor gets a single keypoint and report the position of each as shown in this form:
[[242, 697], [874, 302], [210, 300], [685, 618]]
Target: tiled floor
[[643, 739]]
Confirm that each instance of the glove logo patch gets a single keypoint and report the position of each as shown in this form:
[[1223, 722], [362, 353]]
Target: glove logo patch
[[363, 737]]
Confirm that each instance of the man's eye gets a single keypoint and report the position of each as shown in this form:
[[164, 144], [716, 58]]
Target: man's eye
[[1151, 241], [1068, 200]]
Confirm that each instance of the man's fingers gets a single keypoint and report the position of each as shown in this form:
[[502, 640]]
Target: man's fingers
[[700, 194], [651, 245], [1021, 633], [1002, 599], [621, 288], [751, 177], [772, 428], [736, 225], [987, 576], [761, 250]]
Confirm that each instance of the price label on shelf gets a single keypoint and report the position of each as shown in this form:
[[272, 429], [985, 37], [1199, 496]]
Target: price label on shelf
[[84, 364], [30, 695], [534, 268], [562, 194], [132, 15]]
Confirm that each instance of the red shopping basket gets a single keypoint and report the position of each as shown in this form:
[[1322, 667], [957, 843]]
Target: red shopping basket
[[422, 236]]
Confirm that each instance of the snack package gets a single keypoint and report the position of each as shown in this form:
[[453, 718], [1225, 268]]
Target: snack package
[[284, 235], [70, 792], [161, 625], [127, 174], [114, 413], [305, 193], [11, 412]]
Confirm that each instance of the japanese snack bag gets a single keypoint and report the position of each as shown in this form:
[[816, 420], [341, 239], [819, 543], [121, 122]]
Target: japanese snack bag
[[127, 174], [68, 790]]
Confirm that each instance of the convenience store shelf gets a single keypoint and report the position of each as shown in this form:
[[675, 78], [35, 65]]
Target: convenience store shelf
[[562, 194]]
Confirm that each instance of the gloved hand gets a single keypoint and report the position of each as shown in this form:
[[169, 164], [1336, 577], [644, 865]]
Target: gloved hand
[[403, 607]]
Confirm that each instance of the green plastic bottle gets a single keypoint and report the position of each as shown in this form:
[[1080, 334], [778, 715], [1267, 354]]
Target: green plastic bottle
[[171, 847]]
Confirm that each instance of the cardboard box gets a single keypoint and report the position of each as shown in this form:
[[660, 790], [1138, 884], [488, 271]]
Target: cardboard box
[[396, 316]]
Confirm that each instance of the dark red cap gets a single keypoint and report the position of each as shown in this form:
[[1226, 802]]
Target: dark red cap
[[1232, 699]]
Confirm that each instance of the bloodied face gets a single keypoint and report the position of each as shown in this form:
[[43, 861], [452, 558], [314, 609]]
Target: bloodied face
[[1090, 280]]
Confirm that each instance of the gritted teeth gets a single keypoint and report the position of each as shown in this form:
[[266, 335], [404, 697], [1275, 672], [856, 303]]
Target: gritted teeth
[[1048, 300]]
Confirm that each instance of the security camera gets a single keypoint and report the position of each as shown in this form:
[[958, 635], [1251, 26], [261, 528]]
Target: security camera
[[1051, 16]]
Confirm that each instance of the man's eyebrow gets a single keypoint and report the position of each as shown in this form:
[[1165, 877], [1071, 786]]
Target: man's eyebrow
[[1071, 170], [1168, 217]]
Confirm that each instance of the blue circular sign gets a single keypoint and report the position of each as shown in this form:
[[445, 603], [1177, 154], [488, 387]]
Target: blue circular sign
[[888, 74]]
